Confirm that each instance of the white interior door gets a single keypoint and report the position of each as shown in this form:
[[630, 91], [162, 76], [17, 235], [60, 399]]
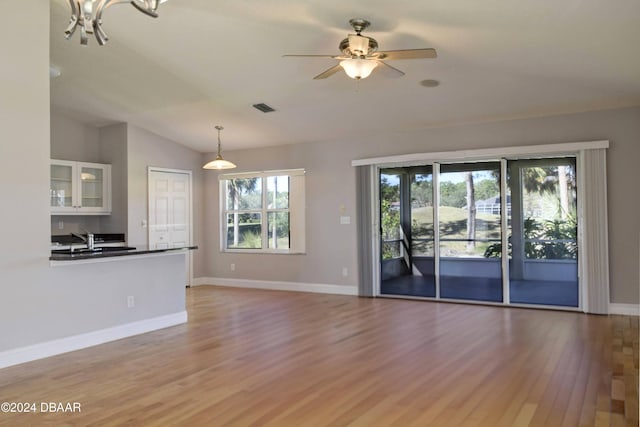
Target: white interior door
[[170, 211]]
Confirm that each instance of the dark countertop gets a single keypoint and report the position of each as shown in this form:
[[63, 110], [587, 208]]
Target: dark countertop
[[110, 252], [68, 239]]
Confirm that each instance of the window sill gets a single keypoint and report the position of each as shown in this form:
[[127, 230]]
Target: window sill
[[261, 251]]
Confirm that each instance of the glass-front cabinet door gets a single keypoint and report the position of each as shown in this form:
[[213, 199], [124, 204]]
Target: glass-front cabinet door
[[92, 186], [62, 187], [79, 188]]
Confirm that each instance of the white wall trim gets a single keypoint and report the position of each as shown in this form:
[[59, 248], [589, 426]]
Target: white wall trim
[[89, 339], [277, 285], [624, 309], [485, 153]]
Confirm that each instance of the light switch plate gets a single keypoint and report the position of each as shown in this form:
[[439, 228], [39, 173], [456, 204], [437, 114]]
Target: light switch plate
[[345, 220]]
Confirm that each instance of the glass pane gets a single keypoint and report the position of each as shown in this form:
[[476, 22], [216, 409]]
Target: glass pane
[[92, 181], [278, 192], [278, 223], [544, 255], [244, 194], [390, 212], [391, 250], [470, 222], [244, 231], [61, 191], [422, 214], [464, 231], [406, 209]]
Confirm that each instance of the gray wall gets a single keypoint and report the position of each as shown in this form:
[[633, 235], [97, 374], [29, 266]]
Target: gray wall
[[331, 183], [72, 140], [24, 147], [145, 149], [113, 150]]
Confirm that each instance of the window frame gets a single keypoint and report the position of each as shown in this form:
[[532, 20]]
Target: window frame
[[296, 210]]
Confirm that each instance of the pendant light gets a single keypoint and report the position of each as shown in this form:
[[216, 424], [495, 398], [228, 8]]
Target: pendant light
[[219, 162]]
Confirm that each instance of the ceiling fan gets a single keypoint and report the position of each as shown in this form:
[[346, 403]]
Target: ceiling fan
[[360, 55]]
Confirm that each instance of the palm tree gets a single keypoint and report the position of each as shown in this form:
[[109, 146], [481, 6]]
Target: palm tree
[[471, 212], [549, 179], [236, 187]]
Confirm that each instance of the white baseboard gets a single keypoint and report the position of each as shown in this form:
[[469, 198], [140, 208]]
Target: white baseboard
[[625, 309], [277, 286], [89, 339]]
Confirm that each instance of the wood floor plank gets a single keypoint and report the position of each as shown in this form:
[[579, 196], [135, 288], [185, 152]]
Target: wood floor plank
[[269, 358]]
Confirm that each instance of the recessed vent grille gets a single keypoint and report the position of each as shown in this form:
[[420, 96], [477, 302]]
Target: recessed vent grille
[[263, 107]]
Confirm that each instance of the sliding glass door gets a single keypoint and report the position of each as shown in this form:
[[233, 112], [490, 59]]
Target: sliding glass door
[[464, 260], [543, 258], [406, 224], [470, 221]]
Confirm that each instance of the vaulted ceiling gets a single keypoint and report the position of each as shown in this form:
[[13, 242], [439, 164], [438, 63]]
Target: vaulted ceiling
[[205, 62]]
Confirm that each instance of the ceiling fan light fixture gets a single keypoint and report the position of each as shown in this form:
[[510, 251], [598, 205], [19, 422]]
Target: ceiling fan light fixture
[[358, 68], [219, 163]]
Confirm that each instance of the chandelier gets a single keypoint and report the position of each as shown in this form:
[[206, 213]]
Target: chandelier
[[87, 15]]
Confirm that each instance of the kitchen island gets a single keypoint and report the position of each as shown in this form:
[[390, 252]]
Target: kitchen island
[[107, 295]]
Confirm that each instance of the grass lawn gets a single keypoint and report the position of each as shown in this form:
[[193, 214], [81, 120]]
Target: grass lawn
[[453, 225]]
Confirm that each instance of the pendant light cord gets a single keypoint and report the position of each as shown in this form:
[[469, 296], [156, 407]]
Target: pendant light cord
[[219, 143]]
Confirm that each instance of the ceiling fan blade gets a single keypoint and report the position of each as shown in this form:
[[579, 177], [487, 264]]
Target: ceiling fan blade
[[328, 73], [314, 56], [388, 70], [407, 54]]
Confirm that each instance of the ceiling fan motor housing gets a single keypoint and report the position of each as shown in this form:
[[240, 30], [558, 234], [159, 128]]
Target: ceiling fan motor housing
[[357, 46]]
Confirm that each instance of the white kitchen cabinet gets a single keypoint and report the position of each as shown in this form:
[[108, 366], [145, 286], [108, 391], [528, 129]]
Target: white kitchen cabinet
[[80, 188]]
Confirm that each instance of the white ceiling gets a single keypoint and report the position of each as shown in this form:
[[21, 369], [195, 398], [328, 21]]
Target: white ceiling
[[205, 62]]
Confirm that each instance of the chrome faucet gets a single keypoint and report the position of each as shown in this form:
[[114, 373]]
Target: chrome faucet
[[89, 239]]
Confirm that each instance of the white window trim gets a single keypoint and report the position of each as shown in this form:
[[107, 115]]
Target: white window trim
[[297, 214], [570, 148]]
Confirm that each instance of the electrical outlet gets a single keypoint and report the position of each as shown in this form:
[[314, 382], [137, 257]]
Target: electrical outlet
[[131, 302], [232, 267], [60, 225], [345, 272]]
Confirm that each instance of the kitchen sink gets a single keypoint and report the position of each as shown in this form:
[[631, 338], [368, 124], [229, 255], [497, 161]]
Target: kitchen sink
[[95, 250]]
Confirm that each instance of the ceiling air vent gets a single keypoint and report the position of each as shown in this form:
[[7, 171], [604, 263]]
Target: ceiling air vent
[[263, 107]]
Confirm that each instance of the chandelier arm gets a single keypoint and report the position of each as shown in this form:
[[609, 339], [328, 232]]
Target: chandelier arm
[[105, 4], [73, 24], [84, 39], [101, 36], [148, 9], [76, 18], [74, 5]]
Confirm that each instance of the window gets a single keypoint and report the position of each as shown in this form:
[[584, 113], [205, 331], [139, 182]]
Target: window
[[263, 212]]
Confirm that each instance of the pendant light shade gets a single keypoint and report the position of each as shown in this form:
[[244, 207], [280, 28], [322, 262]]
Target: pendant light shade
[[219, 162]]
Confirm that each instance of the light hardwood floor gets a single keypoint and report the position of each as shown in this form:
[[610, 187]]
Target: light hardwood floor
[[269, 358]]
